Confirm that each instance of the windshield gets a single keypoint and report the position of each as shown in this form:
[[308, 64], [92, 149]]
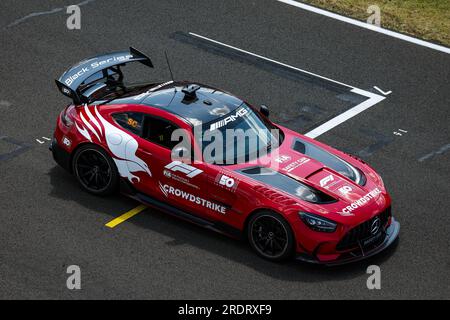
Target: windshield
[[238, 137]]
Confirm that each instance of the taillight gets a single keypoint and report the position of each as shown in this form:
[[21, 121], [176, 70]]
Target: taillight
[[67, 115]]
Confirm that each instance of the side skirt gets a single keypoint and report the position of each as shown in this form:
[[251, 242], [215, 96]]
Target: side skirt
[[174, 211]]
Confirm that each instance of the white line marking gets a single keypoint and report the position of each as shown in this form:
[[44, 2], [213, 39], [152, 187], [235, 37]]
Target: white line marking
[[270, 60], [442, 150], [367, 26], [382, 92], [373, 100], [45, 138], [373, 97], [41, 142]]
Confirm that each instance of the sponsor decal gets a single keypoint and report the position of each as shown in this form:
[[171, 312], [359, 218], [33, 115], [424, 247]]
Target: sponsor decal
[[239, 113], [294, 165], [76, 75], [282, 159], [66, 141], [345, 190], [160, 86], [66, 91], [144, 94], [95, 65], [360, 202], [169, 190], [173, 176], [178, 166], [227, 182], [323, 182]]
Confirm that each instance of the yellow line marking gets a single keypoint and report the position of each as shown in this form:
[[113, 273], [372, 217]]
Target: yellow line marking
[[125, 216]]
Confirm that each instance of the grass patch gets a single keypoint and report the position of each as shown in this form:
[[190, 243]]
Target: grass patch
[[425, 19]]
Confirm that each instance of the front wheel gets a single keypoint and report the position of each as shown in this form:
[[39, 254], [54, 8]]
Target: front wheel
[[270, 236], [95, 171]]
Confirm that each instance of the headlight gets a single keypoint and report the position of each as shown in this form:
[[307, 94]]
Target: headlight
[[317, 223]]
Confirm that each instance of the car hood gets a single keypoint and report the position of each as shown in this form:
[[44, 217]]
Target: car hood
[[341, 193]]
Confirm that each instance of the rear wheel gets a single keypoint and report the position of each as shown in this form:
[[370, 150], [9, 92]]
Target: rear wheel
[[270, 236], [95, 170]]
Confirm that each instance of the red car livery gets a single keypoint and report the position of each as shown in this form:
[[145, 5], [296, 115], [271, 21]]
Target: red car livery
[[168, 145]]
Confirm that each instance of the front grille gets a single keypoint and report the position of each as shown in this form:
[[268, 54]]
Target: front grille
[[362, 231]]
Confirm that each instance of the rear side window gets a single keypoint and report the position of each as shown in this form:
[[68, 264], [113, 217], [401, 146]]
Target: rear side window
[[130, 121], [159, 131]]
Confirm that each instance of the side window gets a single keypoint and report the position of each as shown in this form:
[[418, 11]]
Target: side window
[[130, 121], [159, 131]]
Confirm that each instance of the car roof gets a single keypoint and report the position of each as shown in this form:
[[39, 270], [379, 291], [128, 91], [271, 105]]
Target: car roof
[[203, 105]]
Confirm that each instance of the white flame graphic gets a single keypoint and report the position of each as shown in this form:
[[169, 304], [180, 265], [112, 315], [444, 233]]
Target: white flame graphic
[[122, 145]]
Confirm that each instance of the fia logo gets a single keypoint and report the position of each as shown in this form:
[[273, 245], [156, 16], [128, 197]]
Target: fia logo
[[282, 159]]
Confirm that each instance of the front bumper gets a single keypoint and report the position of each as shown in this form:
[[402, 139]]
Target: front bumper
[[391, 233]]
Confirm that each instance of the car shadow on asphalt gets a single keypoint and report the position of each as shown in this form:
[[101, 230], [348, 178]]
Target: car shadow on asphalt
[[181, 232]]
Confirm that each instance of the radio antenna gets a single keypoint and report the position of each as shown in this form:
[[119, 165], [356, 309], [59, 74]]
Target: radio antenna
[[168, 64]]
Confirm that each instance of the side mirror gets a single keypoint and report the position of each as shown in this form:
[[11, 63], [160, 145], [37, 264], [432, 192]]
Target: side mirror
[[264, 110]]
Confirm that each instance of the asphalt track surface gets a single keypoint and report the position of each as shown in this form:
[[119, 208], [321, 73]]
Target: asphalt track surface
[[49, 223]]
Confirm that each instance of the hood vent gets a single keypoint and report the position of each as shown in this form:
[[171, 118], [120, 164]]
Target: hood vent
[[330, 160], [287, 184]]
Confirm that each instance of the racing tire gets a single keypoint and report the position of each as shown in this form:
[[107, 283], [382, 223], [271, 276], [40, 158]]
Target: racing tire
[[95, 170], [271, 236]]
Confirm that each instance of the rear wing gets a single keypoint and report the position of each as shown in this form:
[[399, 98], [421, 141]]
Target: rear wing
[[102, 68]]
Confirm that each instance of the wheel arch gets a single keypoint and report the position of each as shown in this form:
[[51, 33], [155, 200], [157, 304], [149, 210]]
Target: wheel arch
[[258, 210], [82, 144], [113, 184]]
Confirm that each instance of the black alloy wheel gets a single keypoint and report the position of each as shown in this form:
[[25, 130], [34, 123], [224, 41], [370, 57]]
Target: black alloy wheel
[[271, 236], [95, 170]]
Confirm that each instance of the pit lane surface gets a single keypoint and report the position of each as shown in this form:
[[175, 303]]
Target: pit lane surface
[[48, 223]]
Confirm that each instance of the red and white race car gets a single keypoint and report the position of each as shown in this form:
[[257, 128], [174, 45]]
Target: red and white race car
[[167, 146]]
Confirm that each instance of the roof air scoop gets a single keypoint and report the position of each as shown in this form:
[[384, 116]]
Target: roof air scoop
[[190, 93], [190, 89]]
